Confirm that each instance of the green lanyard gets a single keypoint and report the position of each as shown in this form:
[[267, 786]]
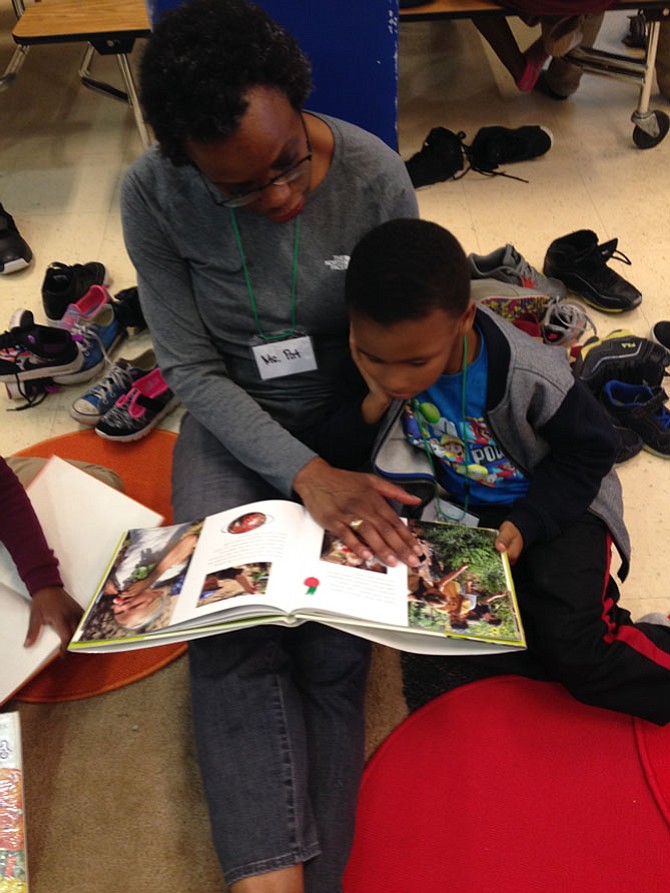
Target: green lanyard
[[424, 441], [289, 333]]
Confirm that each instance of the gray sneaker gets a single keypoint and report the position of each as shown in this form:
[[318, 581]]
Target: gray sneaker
[[507, 265]]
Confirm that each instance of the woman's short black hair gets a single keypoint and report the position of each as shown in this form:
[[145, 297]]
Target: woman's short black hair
[[200, 62], [405, 269]]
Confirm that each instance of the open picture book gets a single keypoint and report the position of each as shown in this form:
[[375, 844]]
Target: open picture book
[[82, 519], [269, 562]]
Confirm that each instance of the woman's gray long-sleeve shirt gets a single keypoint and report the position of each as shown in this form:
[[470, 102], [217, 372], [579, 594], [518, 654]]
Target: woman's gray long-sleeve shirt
[[194, 297]]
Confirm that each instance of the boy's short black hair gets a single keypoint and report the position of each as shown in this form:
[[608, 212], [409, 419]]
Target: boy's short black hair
[[201, 60], [405, 269]]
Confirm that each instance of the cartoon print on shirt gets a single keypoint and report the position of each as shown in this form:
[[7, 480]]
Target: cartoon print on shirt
[[478, 456]]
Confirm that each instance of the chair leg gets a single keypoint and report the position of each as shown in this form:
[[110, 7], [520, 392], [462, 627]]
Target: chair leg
[[650, 126], [89, 81], [13, 66], [129, 96], [19, 54], [133, 99]]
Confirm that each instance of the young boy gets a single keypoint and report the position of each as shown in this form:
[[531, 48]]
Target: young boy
[[504, 436]]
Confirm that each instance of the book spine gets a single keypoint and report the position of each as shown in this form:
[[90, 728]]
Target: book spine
[[13, 865]]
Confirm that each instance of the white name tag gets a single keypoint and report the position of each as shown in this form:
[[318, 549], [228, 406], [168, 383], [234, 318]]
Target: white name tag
[[278, 358]]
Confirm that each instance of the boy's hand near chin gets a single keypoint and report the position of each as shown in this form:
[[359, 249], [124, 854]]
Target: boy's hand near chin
[[509, 540], [376, 402], [52, 606]]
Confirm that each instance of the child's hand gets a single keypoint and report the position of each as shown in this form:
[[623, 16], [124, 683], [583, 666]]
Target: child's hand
[[509, 540], [377, 400], [54, 607]]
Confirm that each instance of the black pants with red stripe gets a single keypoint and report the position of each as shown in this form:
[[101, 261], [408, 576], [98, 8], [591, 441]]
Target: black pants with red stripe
[[576, 632]]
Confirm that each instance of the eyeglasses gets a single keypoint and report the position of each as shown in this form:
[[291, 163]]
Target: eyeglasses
[[297, 170]]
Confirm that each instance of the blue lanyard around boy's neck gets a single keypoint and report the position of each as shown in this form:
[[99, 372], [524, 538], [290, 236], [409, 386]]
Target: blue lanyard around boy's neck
[[289, 333], [424, 441]]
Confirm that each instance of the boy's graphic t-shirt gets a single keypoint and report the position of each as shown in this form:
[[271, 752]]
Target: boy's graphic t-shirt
[[463, 449]]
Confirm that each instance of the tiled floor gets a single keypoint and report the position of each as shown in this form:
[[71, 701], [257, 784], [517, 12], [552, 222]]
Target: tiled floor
[[63, 151]]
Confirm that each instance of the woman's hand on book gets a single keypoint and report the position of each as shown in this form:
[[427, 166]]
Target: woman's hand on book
[[52, 606], [335, 498]]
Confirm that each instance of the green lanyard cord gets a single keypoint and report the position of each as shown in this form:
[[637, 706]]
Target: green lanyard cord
[[280, 336], [428, 451]]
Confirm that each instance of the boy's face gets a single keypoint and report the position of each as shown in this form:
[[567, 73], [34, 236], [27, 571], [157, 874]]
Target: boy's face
[[405, 358]]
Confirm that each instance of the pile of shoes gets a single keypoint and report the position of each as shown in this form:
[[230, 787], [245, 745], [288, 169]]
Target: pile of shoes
[[444, 154], [85, 326], [573, 263], [625, 372], [506, 283]]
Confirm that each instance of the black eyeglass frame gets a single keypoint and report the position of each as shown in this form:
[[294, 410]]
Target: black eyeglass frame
[[293, 172]]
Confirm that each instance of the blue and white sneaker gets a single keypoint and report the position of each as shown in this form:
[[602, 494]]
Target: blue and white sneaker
[[92, 406], [97, 338]]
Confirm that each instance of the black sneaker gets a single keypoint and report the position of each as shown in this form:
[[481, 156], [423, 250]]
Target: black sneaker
[[621, 357], [15, 254], [127, 309], [30, 351], [581, 263], [660, 334], [630, 444], [493, 146], [64, 285], [440, 158], [642, 409]]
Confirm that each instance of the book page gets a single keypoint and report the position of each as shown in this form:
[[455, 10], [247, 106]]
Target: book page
[[463, 586], [336, 582], [246, 562], [274, 557], [142, 585], [461, 589]]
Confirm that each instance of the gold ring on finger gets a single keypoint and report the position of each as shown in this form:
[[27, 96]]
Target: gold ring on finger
[[356, 523]]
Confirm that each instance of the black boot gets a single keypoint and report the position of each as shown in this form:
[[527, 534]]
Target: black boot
[[581, 263]]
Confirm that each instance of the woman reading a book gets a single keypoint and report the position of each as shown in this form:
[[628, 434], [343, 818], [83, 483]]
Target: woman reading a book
[[240, 224]]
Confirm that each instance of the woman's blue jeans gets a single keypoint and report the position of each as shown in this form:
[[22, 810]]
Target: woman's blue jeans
[[278, 713]]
